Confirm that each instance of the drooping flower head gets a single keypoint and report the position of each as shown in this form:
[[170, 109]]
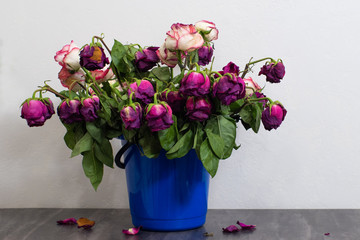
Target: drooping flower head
[[68, 57], [183, 37], [143, 90], [198, 108], [273, 116], [274, 72], [205, 54], [36, 112], [93, 58], [195, 84], [146, 59], [208, 29], [131, 116], [229, 88], [159, 116], [231, 68], [69, 111], [89, 107], [71, 80], [175, 100]]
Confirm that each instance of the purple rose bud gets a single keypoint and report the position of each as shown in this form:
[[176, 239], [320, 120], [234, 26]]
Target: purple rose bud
[[229, 89], [205, 54], [274, 73], [198, 109], [70, 112], [194, 84], [275, 118], [159, 117], [34, 112], [89, 108], [174, 99], [131, 117], [93, 58], [231, 68], [146, 59], [144, 91]]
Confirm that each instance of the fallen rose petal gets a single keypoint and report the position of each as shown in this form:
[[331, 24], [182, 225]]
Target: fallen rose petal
[[85, 223], [131, 231], [68, 221], [245, 226], [230, 229], [327, 234]]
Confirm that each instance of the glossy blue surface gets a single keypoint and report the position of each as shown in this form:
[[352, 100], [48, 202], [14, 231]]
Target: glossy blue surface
[[166, 194]]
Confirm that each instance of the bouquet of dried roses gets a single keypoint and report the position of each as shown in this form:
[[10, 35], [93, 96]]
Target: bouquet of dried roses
[[166, 98]]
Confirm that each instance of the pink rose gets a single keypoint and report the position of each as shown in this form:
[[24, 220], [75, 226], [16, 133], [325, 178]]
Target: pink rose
[[69, 79], [208, 29], [69, 57], [183, 37], [251, 86], [166, 56]]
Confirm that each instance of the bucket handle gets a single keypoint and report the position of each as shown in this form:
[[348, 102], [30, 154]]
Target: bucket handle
[[120, 153]]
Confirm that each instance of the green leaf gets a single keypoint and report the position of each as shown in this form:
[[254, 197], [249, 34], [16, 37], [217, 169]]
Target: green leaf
[[168, 137], [94, 131], [251, 114], [208, 158], [150, 144], [104, 153], [237, 105], [118, 53], [83, 145], [93, 168], [74, 133], [113, 133], [182, 147], [216, 142], [162, 73]]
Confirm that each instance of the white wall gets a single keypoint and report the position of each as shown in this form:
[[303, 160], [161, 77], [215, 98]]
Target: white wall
[[311, 161]]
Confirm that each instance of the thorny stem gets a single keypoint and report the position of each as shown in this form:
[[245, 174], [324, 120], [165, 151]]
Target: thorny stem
[[251, 63]]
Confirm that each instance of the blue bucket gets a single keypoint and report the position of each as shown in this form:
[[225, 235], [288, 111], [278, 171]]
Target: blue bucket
[[166, 194]]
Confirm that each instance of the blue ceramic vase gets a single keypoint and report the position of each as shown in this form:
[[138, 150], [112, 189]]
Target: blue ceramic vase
[[166, 194]]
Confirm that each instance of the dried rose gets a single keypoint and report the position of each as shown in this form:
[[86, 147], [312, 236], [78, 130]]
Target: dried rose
[[274, 72], [251, 86], [68, 57], [167, 57], [89, 108], [183, 37], [35, 112], [131, 117], [71, 79], [144, 91], [146, 59], [69, 111], [273, 116], [231, 68], [205, 54], [174, 99], [229, 89], [85, 223], [195, 84], [198, 109], [159, 117], [93, 58]]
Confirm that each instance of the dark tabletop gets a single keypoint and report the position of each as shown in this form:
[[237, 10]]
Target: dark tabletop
[[17, 224]]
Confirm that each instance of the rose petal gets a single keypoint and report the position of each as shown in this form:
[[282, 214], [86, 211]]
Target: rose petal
[[85, 223], [68, 221], [245, 226], [230, 229], [327, 234], [132, 231]]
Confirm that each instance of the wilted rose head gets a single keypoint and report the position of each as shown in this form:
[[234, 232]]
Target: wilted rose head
[[274, 72], [229, 89], [208, 29], [89, 108], [251, 86], [68, 57], [205, 54], [167, 57], [183, 37], [146, 59], [198, 108], [231, 68], [131, 116], [69, 112], [195, 84], [272, 119], [159, 117], [35, 112], [93, 58], [70, 80], [144, 91]]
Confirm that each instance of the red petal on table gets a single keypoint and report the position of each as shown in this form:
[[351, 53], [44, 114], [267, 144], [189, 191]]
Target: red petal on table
[[327, 234], [68, 221], [245, 226], [230, 229], [85, 223], [131, 231]]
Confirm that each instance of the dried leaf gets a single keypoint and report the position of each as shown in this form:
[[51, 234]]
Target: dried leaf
[[85, 223]]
